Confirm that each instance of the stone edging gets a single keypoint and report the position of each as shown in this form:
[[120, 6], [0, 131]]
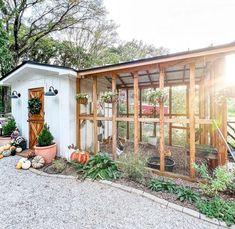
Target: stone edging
[[147, 195]]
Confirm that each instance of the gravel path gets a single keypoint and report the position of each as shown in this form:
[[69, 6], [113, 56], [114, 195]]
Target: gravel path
[[32, 201]]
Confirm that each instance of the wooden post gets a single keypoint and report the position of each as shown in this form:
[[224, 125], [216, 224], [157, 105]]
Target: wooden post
[[161, 120], [192, 120], [202, 111], [170, 116], [136, 114], [95, 138], [127, 111], [78, 125], [187, 113], [114, 124], [140, 134]]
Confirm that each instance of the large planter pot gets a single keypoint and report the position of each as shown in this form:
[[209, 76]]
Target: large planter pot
[[154, 162], [47, 152], [4, 140]]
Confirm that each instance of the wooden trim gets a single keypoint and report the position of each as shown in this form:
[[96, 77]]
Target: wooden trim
[[140, 123], [171, 175], [146, 64], [78, 126], [192, 147], [136, 114], [161, 119], [95, 137], [114, 123], [170, 115], [127, 111]]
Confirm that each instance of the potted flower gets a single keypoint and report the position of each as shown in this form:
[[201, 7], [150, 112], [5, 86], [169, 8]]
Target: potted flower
[[156, 96], [46, 147], [109, 97], [82, 98], [7, 129]]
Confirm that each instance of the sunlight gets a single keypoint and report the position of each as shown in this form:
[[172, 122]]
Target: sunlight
[[230, 69]]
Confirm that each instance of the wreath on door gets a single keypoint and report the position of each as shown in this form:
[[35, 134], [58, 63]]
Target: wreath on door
[[34, 105]]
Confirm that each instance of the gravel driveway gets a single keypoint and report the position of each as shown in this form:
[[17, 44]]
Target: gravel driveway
[[32, 201]]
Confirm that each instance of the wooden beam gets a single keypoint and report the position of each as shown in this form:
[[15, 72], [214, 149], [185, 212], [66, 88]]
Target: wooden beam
[[161, 119], [192, 121], [78, 126], [136, 114], [95, 137], [114, 124], [149, 77], [170, 115], [140, 124], [127, 111], [123, 83]]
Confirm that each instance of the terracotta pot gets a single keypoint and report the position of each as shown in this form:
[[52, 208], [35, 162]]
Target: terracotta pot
[[47, 152], [4, 140]]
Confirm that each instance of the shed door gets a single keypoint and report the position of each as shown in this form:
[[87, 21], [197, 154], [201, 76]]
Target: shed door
[[36, 121]]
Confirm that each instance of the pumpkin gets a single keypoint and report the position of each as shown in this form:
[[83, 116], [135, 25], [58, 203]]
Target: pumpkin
[[74, 156], [1, 149], [6, 153], [18, 149], [12, 148], [19, 165], [6, 147], [1, 156], [83, 157], [22, 160], [26, 164], [38, 162]]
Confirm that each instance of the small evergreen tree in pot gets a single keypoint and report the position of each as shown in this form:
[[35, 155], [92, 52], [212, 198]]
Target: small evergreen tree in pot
[[45, 138], [46, 147]]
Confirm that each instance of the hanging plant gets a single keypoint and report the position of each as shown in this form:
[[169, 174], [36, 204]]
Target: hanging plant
[[109, 97], [34, 105], [82, 98], [156, 96]]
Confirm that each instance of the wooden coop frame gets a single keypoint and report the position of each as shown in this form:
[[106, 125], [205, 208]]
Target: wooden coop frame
[[204, 68]]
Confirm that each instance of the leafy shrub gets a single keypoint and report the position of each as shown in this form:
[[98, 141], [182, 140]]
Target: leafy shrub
[[59, 165], [220, 180], [100, 166], [161, 185], [218, 208], [188, 194], [132, 167], [9, 127], [45, 138]]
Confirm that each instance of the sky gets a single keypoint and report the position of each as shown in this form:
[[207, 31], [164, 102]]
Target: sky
[[179, 25]]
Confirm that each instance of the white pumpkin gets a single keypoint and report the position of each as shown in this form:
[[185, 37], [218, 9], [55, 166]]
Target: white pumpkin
[[38, 162], [6, 153], [26, 164], [23, 160], [18, 150]]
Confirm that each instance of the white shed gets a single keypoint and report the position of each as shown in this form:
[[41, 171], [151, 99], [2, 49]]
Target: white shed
[[59, 111]]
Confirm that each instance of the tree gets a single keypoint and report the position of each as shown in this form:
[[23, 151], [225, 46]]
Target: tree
[[29, 21]]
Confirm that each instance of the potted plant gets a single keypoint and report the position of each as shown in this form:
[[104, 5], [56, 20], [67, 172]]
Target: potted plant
[[46, 147], [156, 96], [109, 97], [7, 130], [82, 98]]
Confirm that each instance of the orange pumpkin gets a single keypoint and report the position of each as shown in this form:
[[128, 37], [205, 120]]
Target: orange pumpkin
[[1, 156], [74, 156], [83, 157]]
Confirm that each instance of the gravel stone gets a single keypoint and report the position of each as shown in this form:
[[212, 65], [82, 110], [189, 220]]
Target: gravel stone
[[32, 201]]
